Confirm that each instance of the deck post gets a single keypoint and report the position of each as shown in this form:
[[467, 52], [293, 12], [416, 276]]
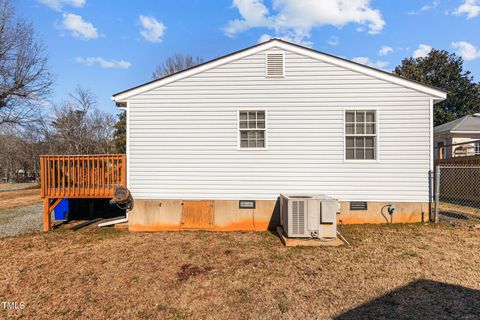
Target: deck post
[[46, 214], [124, 171]]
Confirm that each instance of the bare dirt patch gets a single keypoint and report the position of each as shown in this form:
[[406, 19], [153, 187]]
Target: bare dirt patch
[[19, 198], [389, 272], [187, 271]]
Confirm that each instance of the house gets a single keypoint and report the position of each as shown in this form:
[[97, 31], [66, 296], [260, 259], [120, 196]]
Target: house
[[213, 147], [458, 138]]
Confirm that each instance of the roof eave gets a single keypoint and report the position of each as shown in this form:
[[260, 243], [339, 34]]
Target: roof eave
[[465, 132]]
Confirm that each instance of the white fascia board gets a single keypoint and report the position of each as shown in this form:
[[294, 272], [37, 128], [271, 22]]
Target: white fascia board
[[438, 95], [465, 132]]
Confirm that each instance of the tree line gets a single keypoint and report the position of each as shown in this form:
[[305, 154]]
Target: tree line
[[30, 126], [78, 126]]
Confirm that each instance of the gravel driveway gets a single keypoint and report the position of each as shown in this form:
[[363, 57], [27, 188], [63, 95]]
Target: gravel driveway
[[21, 220], [17, 186]]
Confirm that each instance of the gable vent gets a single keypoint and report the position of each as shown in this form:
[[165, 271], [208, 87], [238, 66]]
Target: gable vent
[[275, 65]]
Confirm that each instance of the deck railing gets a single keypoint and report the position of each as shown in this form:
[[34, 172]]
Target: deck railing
[[83, 176]]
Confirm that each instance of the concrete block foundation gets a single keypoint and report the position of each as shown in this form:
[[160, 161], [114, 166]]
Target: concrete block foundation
[[166, 215]]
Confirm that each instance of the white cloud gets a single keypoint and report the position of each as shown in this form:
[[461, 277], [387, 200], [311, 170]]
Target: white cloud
[[368, 62], [78, 27], [425, 7], [385, 50], [296, 18], [422, 51], [254, 14], [264, 38], [470, 7], [103, 63], [333, 41], [59, 4], [466, 50], [152, 29]]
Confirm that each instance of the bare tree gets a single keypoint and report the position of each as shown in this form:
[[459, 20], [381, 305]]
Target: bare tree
[[25, 81], [79, 128], [177, 62], [21, 148]]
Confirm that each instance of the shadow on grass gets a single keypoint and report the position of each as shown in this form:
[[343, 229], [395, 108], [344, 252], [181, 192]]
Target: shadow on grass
[[455, 215], [421, 299]]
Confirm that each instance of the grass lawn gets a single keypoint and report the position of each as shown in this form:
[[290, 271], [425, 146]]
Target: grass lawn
[[390, 271]]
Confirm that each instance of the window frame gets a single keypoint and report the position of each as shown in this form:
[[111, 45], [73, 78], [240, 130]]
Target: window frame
[[476, 148], [376, 135], [239, 130]]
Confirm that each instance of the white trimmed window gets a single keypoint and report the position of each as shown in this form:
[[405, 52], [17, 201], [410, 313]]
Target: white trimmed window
[[252, 127], [477, 148], [360, 135]]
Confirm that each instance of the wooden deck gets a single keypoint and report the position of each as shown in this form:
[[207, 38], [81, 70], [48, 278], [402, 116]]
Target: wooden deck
[[79, 176]]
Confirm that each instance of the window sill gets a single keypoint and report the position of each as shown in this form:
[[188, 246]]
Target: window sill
[[252, 149], [360, 161]]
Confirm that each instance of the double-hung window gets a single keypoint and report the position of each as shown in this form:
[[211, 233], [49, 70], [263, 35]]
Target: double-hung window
[[252, 126], [477, 148], [360, 135]]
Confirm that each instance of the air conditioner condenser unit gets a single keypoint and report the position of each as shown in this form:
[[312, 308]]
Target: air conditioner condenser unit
[[309, 216]]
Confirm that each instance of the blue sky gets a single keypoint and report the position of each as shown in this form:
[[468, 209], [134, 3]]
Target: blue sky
[[109, 46]]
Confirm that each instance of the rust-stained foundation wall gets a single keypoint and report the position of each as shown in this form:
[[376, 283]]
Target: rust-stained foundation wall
[[166, 215]]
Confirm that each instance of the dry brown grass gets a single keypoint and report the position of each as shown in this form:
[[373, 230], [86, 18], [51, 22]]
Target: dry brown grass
[[110, 274], [19, 198]]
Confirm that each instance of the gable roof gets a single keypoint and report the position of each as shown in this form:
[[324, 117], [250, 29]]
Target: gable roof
[[465, 124], [436, 93]]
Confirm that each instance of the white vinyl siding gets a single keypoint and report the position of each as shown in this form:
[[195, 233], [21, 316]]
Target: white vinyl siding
[[183, 137]]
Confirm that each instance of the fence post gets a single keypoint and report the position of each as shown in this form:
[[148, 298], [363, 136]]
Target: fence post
[[437, 193]]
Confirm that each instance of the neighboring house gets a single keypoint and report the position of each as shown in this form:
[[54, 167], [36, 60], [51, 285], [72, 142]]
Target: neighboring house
[[452, 139], [270, 119]]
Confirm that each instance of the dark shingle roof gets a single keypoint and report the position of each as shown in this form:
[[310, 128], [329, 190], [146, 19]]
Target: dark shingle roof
[[466, 123]]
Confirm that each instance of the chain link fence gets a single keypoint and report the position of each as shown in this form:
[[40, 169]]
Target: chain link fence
[[457, 195]]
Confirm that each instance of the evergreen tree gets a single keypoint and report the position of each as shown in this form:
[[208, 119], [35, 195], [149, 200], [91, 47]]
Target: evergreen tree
[[120, 133], [444, 70]]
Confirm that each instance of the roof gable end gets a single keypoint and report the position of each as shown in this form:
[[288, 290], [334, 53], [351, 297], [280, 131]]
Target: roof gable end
[[436, 93]]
